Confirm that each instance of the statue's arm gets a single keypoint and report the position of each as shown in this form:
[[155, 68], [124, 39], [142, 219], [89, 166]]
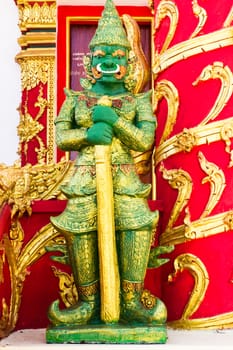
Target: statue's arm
[[69, 137], [138, 136]]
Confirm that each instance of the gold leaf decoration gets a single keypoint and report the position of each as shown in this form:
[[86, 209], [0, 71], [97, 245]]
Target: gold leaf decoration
[[200, 275], [35, 14], [226, 135], [34, 70], [180, 180], [201, 228], [166, 89], [19, 261], [201, 14], [204, 43], [186, 140], [29, 128], [217, 71], [19, 186], [229, 18], [167, 8], [199, 135], [216, 178], [228, 220], [68, 291]]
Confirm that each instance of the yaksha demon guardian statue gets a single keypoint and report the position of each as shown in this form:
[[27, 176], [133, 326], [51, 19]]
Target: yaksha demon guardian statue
[[107, 119]]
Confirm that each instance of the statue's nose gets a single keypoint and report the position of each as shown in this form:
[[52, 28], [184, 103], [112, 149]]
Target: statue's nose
[[108, 63]]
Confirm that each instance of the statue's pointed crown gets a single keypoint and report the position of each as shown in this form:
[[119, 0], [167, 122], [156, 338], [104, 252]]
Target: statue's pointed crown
[[110, 30]]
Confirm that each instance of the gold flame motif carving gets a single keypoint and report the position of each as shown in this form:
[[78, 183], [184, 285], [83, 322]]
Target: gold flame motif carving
[[201, 14], [35, 14], [216, 178], [191, 47], [180, 180], [19, 260], [217, 71], [29, 128], [167, 8], [200, 275], [68, 291], [166, 89], [229, 19]]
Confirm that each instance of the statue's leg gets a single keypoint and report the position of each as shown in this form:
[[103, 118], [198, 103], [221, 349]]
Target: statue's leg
[[137, 305], [83, 256]]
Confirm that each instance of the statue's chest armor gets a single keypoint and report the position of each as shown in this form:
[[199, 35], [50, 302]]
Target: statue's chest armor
[[125, 107]]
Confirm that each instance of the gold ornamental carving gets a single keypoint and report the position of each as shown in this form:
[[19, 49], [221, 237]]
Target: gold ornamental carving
[[37, 14], [167, 90], [35, 71], [229, 20], [225, 75], [206, 225], [188, 138], [201, 14], [200, 275], [68, 291], [216, 178], [208, 42], [19, 259], [29, 128], [20, 186], [166, 8], [180, 180]]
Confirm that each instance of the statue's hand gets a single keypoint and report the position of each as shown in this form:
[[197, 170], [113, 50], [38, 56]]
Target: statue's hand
[[100, 134], [104, 114]]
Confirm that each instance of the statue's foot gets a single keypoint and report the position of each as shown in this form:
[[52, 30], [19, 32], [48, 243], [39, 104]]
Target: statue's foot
[[80, 314], [143, 308]]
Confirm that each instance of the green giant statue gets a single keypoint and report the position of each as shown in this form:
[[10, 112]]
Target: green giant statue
[[107, 224]]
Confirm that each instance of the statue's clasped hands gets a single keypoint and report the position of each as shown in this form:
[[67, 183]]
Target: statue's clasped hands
[[101, 132]]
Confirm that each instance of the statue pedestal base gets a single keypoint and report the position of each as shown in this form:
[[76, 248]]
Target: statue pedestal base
[[107, 334]]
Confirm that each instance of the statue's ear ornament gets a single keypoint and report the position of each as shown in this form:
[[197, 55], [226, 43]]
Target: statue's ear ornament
[[87, 82]]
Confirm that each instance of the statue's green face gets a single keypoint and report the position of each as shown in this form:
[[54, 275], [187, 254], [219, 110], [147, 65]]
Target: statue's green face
[[109, 63]]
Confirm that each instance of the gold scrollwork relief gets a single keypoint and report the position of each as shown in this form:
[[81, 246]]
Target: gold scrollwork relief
[[200, 275], [185, 49], [166, 89], [180, 180], [29, 128], [217, 71], [229, 19], [151, 6], [34, 71], [141, 66], [167, 8], [222, 321], [186, 140], [206, 227], [19, 186], [201, 14], [226, 135], [216, 178], [68, 290], [19, 259], [36, 14]]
